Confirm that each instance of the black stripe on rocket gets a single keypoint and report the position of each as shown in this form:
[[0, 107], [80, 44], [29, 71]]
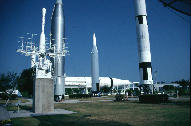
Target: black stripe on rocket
[[140, 18], [144, 66]]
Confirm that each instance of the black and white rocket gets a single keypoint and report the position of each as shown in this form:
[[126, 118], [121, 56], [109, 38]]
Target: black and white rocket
[[144, 53], [95, 67], [57, 42]]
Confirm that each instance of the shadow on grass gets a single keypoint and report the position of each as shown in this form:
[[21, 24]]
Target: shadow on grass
[[65, 120], [169, 102], [70, 120]]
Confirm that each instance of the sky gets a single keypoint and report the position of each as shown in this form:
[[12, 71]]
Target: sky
[[113, 22]]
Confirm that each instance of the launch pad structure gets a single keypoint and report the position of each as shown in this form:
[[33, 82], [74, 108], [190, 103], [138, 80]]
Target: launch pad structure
[[48, 65]]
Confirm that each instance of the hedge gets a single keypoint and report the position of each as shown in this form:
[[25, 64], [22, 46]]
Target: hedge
[[155, 98]]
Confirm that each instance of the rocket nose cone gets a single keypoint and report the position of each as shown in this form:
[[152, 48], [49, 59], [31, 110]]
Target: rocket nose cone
[[58, 1], [94, 40]]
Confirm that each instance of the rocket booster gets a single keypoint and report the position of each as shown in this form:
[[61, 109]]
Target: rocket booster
[[95, 66], [57, 42], [144, 53]]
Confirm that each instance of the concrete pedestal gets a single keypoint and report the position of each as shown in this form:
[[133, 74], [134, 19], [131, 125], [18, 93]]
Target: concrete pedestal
[[43, 95]]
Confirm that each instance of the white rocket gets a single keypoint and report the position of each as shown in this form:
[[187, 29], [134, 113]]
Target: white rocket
[[42, 65], [42, 46], [143, 43], [43, 68], [95, 66]]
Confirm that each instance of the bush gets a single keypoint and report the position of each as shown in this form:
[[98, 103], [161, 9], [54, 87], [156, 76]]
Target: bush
[[13, 96], [105, 90], [76, 96], [119, 97], [26, 94], [5, 96], [155, 98], [135, 92], [6, 122], [183, 92]]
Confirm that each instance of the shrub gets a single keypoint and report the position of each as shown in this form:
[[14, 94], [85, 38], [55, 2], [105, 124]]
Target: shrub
[[5, 96], [119, 97], [76, 96], [155, 98], [26, 94], [13, 96], [136, 92], [183, 92], [6, 122]]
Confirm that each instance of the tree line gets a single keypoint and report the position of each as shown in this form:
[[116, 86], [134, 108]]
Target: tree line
[[24, 82]]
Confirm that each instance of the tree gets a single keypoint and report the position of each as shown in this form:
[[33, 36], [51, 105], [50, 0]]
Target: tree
[[168, 87], [105, 89], [183, 83], [8, 81], [26, 81], [184, 90], [4, 82]]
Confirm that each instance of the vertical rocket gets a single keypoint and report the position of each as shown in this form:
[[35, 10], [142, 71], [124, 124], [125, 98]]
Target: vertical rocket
[[144, 53], [95, 66], [57, 42], [42, 44]]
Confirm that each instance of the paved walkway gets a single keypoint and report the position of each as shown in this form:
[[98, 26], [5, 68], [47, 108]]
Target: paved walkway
[[105, 100], [71, 101], [25, 113], [4, 115], [65, 101], [180, 98]]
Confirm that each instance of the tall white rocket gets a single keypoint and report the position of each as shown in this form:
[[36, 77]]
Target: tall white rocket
[[42, 46], [144, 53], [95, 66]]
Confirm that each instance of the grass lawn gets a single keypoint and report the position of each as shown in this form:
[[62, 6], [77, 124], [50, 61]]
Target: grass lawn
[[113, 114]]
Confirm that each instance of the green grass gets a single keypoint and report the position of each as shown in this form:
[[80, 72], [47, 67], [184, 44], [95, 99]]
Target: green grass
[[113, 114], [15, 108]]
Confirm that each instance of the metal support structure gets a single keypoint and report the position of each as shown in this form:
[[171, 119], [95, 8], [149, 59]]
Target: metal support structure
[[40, 57]]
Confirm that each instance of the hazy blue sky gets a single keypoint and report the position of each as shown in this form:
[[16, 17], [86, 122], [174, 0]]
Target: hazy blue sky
[[113, 22]]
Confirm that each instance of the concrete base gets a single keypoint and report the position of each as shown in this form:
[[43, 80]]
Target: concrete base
[[43, 95]]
